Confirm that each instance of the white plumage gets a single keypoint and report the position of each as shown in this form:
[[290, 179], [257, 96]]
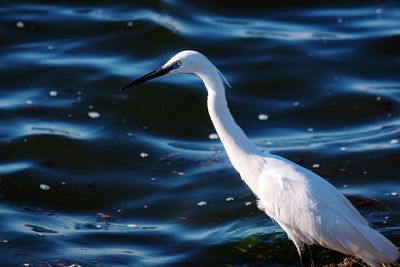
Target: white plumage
[[312, 211], [308, 208]]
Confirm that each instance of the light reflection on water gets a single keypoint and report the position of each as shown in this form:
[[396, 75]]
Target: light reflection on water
[[124, 188]]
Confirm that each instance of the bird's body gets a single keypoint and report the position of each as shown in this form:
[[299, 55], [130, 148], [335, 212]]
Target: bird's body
[[312, 211], [308, 208]]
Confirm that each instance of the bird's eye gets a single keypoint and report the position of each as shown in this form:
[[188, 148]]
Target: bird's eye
[[177, 64]]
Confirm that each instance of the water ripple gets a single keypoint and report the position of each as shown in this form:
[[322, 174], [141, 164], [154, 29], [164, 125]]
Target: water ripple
[[14, 167], [32, 98], [23, 129], [90, 176]]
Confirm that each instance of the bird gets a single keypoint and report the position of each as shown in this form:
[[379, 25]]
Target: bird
[[307, 207]]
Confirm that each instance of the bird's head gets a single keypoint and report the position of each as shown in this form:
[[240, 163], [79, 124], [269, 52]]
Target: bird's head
[[184, 62]]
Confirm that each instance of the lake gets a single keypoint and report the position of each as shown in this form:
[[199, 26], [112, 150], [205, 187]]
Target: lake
[[96, 177]]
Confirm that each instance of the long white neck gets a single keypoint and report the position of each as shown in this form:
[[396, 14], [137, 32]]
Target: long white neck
[[243, 154]]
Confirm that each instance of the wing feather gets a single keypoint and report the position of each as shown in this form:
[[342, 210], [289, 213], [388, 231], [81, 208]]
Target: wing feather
[[298, 198], [313, 211]]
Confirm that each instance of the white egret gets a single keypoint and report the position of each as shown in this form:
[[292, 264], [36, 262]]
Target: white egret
[[308, 208]]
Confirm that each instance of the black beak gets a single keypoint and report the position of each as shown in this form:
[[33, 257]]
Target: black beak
[[154, 74]]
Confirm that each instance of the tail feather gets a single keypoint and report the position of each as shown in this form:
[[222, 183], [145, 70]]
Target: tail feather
[[384, 252]]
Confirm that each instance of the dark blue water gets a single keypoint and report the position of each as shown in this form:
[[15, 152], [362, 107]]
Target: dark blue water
[[95, 177]]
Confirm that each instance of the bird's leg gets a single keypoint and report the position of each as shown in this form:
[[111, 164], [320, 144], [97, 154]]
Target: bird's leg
[[302, 251], [313, 255], [308, 256], [304, 257]]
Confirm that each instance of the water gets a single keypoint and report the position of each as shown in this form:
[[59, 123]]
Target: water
[[101, 178]]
